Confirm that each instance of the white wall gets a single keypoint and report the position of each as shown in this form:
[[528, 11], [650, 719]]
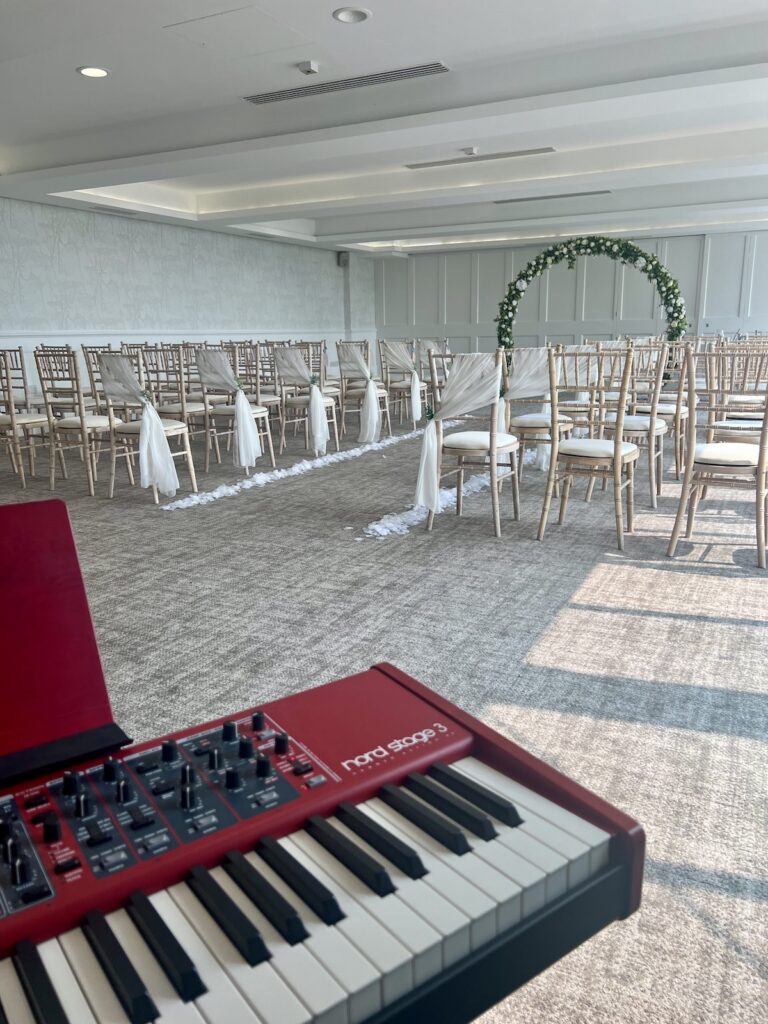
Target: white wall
[[74, 276], [723, 277]]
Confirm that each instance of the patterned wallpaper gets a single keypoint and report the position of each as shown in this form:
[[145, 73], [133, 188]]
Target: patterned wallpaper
[[67, 270]]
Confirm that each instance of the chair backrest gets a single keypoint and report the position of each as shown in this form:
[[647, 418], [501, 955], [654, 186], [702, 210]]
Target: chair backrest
[[59, 375], [349, 368], [91, 355], [473, 383], [164, 372], [292, 368], [8, 398], [729, 390], [215, 372], [314, 355], [396, 359], [17, 369], [422, 349]]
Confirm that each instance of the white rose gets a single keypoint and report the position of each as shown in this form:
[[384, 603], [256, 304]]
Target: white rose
[[521, 286]]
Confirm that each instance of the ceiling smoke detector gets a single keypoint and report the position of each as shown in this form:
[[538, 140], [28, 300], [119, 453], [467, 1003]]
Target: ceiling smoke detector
[[308, 67]]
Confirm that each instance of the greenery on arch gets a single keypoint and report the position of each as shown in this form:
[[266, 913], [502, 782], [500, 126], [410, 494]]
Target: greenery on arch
[[595, 245]]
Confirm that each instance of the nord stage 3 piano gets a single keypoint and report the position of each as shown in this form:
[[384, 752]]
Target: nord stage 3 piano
[[359, 853]]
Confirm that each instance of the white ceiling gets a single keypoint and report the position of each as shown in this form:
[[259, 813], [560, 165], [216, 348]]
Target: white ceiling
[[662, 105]]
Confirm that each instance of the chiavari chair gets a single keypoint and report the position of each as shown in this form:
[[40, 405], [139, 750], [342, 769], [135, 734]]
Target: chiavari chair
[[91, 355], [18, 429], [22, 397], [79, 427], [398, 363], [593, 457], [734, 452], [295, 392], [166, 377], [353, 385]]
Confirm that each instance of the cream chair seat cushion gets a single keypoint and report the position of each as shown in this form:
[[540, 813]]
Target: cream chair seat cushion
[[478, 440], [745, 399], [134, 427], [229, 410], [23, 419], [594, 448], [665, 409], [536, 419], [359, 391], [91, 423], [266, 398], [740, 426], [300, 400], [197, 396], [726, 453], [192, 407], [638, 423], [404, 385]]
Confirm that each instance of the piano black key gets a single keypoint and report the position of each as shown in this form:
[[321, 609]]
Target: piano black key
[[454, 807], [307, 888], [444, 832], [168, 952], [40, 993], [243, 935], [389, 846], [485, 799], [263, 895], [366, 868], [122, 975]]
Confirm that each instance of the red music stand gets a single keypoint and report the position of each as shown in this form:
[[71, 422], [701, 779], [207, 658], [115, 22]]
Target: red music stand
[[54, 706]]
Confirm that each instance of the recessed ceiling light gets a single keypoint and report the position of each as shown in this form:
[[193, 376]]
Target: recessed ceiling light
[[92, 72], [351, 15]]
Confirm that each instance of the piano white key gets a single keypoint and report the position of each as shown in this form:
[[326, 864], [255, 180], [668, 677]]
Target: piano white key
[[356, 975], [166, 999], [528, 876], [388, 956], [420, 938], [307, 978], [263, 989], [222, 1001], [595, 838], [93, 981], [12, 997], [576, 853], [506, 894], [73, 1001], [454, 887], [453, 924]]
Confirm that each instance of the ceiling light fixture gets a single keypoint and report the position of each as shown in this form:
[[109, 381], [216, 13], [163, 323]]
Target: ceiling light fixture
[[351, 15], [89, 72]]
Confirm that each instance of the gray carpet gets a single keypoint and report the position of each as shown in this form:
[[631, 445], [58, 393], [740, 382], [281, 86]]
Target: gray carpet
[[643, 678]]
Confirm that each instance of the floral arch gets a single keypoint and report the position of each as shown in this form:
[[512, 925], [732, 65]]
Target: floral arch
[[595, 245]]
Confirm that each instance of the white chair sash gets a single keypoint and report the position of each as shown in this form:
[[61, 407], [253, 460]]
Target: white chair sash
[[293, 371], [370, 412], [156, 465], [474, 382], [399, 358], [216, 371]]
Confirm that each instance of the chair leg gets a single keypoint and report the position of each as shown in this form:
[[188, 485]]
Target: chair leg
[[652, 467], [547, 497], [282, 432], [112, 466], [335, 426], [268, 435], [190, 464], [567, 484], [86, 450], [129, 463], [693, 505], [660, 466], [513, 466], [617, 505], [630, 497], [386, 415], [685, 495], [494, 471], [460, 485]]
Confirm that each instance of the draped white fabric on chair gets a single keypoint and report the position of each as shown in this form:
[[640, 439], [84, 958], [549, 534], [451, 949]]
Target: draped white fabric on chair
[[216, 371], [399, 358], [293, 371], [474, 382], [120, 384], [352, 362]]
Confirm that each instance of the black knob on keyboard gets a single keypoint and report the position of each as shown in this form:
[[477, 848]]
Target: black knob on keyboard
[[232, 780], [229, 732], [169, 751], [51, 829], [188, 797], [258, 722], [83, 805], [214, 758], [109, 770], [70, 784], [10, 849], [187, 775], [123, 792], [281, 743], [245, 747], [19, 871], [263, 766]]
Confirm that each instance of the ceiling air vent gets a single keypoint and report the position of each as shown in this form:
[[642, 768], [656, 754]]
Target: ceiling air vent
[[559, 195], [342, 84], [479, 159]]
